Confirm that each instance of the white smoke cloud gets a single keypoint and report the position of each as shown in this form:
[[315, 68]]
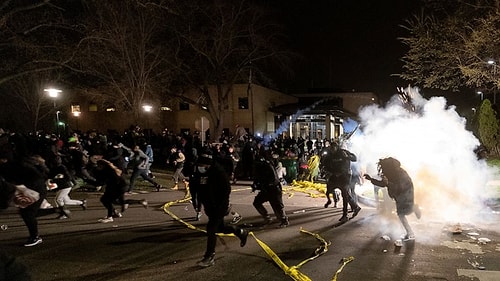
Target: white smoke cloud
[[436, 150]]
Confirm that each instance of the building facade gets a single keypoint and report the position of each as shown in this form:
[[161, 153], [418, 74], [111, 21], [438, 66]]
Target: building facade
[[321, 115], [260, 110]]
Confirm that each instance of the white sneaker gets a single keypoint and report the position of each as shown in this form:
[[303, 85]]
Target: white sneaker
[[106, 220], [33, 241]]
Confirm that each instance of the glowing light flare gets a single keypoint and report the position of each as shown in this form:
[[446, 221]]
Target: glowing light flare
[[147, 108], [53, 93]]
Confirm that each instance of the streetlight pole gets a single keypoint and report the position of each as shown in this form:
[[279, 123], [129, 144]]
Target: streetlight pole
[[53, 94], [148, 108], [480, 93], [492, 62]]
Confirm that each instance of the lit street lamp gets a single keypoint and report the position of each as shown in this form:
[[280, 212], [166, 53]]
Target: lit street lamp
[[480, 93], [54, 94]]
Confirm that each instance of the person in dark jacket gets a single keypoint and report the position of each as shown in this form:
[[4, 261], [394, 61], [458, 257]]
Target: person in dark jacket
[[22, 172], [270, 190], [214, 188], [115, 187], [10, 267], [336, 164], [79, 163], [117, 156], [400, 188], [65, 182]]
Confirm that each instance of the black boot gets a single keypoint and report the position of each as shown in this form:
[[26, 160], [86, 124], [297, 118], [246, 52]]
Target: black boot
[[284, 222], [328, 203], [208, 260], [243, 235]]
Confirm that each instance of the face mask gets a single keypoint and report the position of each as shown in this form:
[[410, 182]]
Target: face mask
[[202, 170]]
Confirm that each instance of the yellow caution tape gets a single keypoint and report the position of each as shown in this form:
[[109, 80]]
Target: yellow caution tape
[[314, 190], [166, 207], [292, 271], [344, 262], [323, 248]]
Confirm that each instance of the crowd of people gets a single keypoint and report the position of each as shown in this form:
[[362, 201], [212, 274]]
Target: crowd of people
[[105, 161]]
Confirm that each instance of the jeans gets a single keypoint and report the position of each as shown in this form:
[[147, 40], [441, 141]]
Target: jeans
[[62, 198], [144, 174]]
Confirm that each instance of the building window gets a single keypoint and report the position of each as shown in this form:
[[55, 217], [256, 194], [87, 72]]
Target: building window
[[183, 106], [75, 108], [243, 103], [93, 107], [110, 109]]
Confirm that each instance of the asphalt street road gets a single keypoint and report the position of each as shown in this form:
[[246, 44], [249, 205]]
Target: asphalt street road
[[148, 244]]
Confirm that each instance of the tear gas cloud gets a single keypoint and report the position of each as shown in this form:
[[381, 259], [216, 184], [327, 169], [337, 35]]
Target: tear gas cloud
[[436, 150]]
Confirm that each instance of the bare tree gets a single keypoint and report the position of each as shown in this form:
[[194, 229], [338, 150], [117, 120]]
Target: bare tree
[[36, 43], [125, 51], [33, 105], [33, 37], [224, 41]]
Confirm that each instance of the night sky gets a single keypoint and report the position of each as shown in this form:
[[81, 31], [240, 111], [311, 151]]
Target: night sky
[[348, 44]]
